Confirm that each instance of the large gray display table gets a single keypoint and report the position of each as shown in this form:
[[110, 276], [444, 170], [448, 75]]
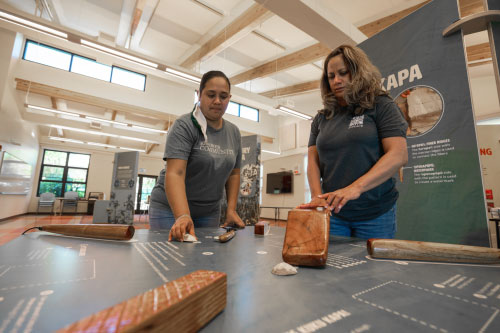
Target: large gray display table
[[49, 281]]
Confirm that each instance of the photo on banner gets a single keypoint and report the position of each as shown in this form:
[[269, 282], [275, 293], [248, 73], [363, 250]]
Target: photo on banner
[[440, 189]]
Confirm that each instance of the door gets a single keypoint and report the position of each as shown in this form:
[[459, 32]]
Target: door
[[145, 184]]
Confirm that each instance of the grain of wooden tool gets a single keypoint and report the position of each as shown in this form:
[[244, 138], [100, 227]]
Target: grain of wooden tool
[[306, 237], [184, 305], [429, 251], [227, 236], [101, 231]]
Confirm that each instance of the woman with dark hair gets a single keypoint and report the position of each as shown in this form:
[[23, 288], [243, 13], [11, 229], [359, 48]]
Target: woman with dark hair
[[203, 156], [357, 143]]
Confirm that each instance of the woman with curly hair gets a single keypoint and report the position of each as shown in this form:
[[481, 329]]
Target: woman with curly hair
[[357, 143]]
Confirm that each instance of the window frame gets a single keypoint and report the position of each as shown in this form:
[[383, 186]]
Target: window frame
[[29, 41], [66, 167], [110, 80], [239, 111]]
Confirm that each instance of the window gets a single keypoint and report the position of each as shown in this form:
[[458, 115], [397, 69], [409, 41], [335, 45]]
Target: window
[[233, 108], [47, 55], [90, 67], [243, 111], [249, 113], [62, 171], [128, 78], [57, 58]]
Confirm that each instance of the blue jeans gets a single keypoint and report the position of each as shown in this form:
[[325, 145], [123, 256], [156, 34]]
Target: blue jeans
[[383, 226], [164, 219]]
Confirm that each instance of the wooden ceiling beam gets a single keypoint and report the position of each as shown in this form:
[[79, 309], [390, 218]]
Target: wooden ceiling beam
[[469, 7], [375, 27], [50, 91], [474, 53], [167, 125], [293, 90], [316, 51], [136, 16], [295, 59], [237, 29]]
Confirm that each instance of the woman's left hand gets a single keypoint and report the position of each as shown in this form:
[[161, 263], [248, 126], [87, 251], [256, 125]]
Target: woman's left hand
[[232, 218], [337, 199]]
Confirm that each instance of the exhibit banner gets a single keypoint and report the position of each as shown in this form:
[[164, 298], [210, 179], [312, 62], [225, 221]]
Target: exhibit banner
[[249, 192], [120, 208], [440, 189]]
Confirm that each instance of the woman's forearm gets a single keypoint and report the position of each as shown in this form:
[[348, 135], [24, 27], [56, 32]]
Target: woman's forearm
[[232, 187], [313, 173], [175, 189]]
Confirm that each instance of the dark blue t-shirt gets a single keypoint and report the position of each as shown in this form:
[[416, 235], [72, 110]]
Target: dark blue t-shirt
[[349, 145]]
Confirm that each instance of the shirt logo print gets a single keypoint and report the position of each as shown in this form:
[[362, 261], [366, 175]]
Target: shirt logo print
[[357, 122]]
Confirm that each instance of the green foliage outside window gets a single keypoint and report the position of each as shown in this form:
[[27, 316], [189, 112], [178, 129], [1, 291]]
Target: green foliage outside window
[[62, 172]]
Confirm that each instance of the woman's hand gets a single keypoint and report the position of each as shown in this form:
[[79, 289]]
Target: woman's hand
[[315, 202], [182, 225], [232, 218], [337, 199]]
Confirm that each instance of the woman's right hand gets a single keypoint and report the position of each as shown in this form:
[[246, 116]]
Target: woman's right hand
[[315, 202], [182, 225]]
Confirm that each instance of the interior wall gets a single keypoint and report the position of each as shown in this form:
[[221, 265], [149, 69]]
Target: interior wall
[[293, 199], [162, 94], [100, 173], [17, 136], [484, 96], [488, 137]]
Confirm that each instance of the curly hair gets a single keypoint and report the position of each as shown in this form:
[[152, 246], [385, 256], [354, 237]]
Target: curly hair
[[364, 87]]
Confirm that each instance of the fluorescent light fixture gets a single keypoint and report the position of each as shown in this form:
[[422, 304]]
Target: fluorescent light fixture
[[34, 107], [270, 152], [182, 75], [133, 149], [117, 53], [31, 25], [84, 131], [102, 134], [294, 113], [94, 144], [65, 139], [490, 121], [479, 61], [29, 106], [106, 121], [101, 144], [149, 129]]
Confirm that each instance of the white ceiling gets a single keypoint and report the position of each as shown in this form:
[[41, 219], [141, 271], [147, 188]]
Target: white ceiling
[[171, 30]]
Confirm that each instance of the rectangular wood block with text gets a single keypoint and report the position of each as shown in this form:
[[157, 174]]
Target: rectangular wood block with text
[[183, 305]]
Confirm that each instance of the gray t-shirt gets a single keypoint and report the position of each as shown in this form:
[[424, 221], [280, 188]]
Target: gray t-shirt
[[348, 146], [209, 164]]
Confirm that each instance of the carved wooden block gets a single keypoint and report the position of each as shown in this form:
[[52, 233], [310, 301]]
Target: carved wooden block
[[184, 305], [430, 251], [260, 228], [306, 237]]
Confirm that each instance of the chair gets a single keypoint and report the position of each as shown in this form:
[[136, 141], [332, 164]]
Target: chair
[[70, 200], [47, 199], [93, 197]]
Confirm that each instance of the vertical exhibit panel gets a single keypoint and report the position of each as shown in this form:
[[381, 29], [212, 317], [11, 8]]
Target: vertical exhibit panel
[[441, 193], [120, 208], [249, 191]]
